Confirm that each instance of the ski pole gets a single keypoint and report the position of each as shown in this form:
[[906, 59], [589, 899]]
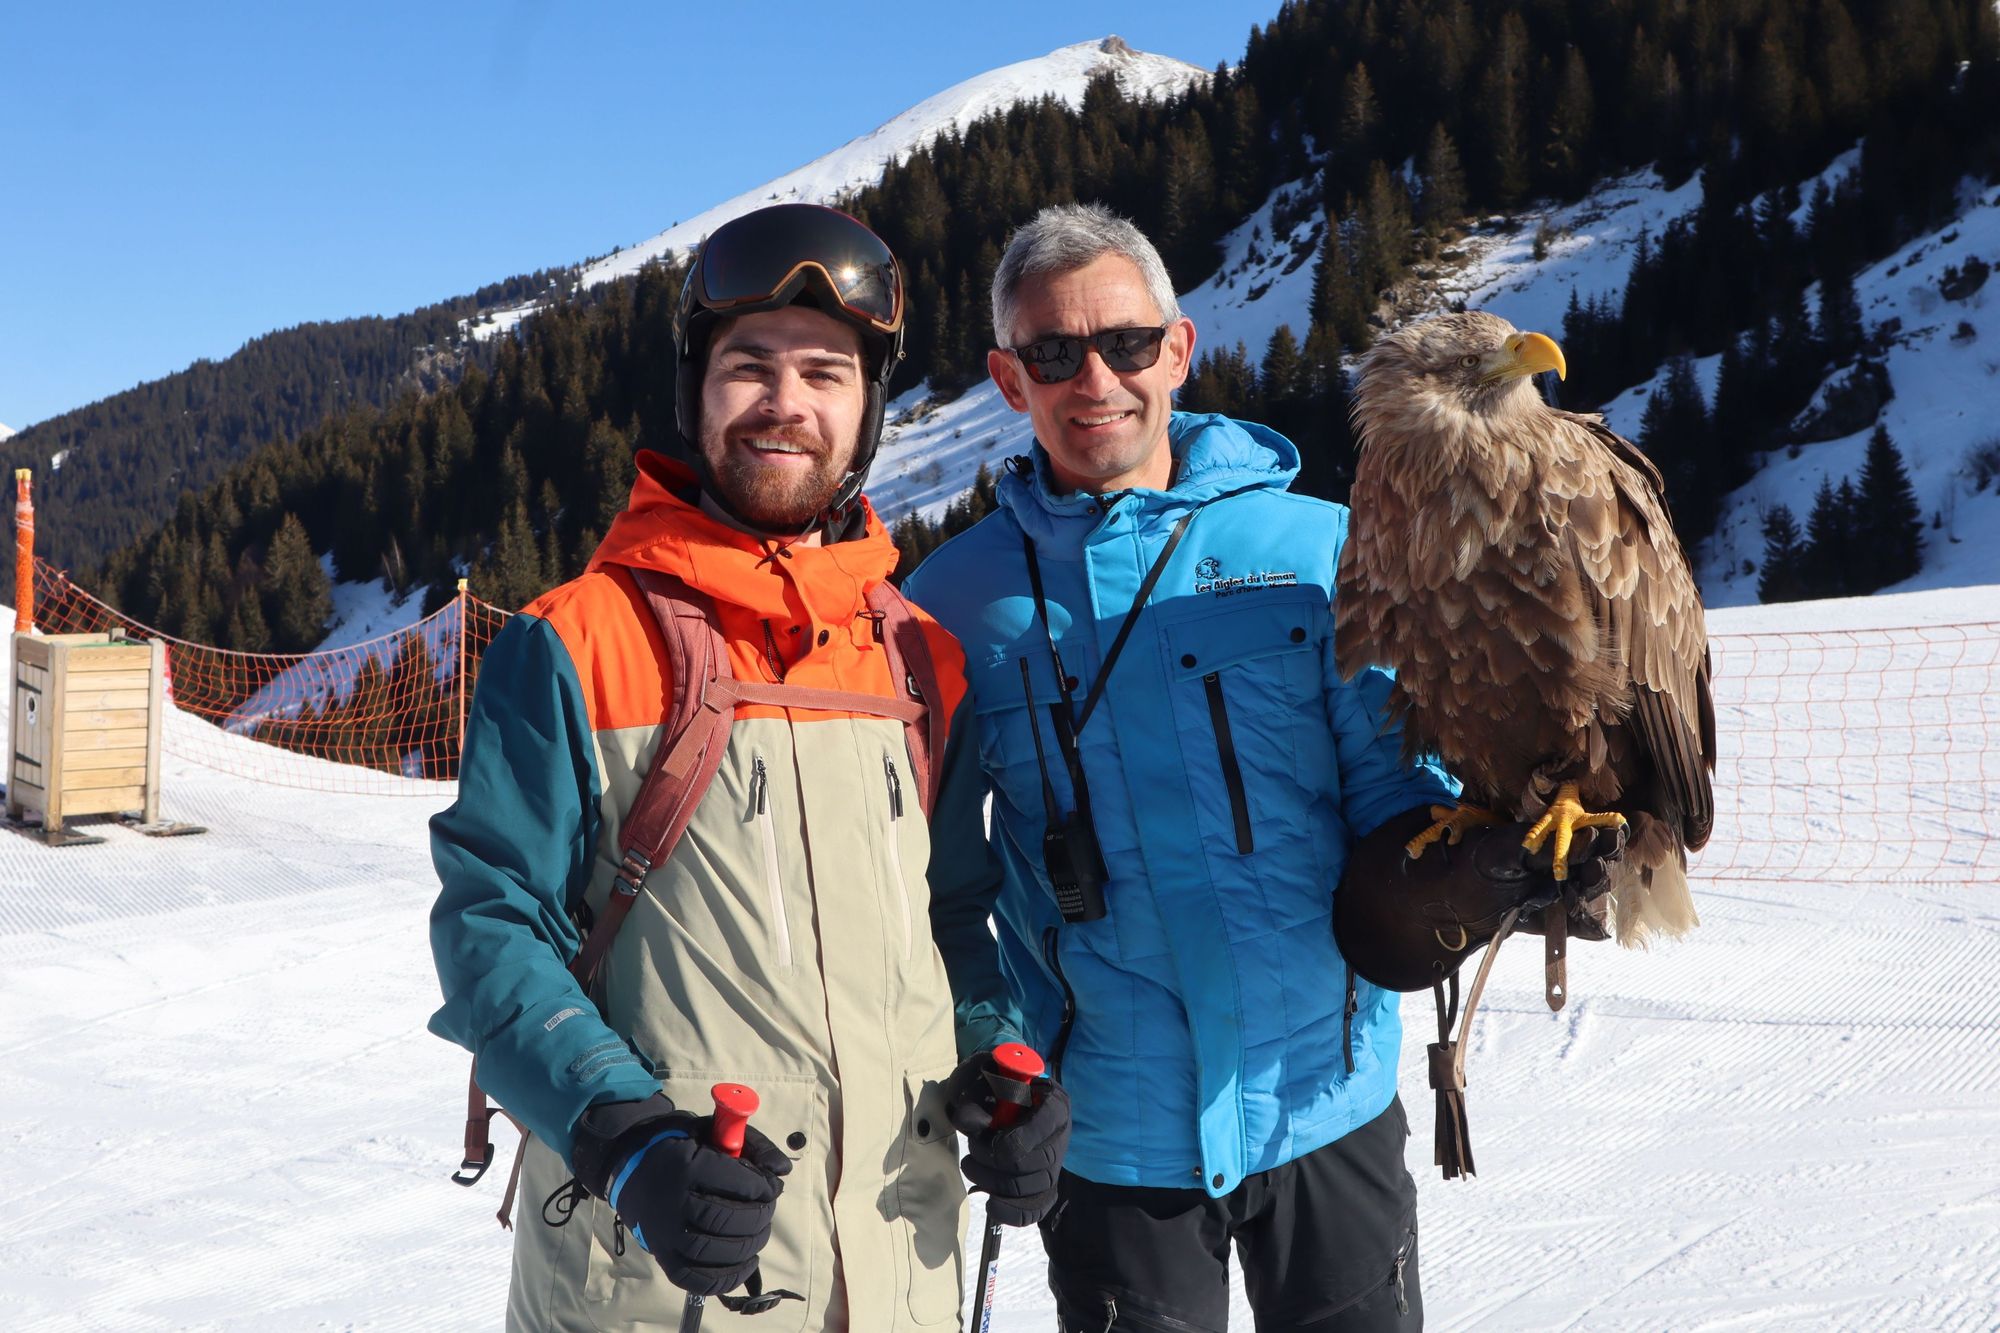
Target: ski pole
[[1015, 1067], [734, 1105]]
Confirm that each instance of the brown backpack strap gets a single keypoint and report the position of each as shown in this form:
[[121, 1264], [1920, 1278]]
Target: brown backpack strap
[[911, 667], [906, 711], [690, 751], [479, 1115]]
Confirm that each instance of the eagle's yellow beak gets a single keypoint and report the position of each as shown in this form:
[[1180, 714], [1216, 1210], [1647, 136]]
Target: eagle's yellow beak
[[1527, 354]]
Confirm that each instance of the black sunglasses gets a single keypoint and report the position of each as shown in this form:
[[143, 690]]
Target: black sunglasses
[[1053, 360]]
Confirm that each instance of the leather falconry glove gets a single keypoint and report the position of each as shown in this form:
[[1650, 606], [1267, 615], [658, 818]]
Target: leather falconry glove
[[1404, 923], [702, 1214], [1016, 1166]]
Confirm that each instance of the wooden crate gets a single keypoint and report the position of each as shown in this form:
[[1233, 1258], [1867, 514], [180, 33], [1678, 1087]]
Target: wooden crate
[[86, 727]]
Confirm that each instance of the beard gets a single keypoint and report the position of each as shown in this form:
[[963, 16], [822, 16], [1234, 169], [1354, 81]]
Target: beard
[[775, 496]]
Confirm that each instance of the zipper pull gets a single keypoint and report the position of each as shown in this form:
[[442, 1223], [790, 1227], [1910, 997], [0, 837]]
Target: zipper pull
[[759, 783], [895, 788], [1402, 1293]]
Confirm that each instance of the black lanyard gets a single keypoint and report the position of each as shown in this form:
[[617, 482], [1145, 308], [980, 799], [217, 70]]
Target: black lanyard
[[1077, 719]]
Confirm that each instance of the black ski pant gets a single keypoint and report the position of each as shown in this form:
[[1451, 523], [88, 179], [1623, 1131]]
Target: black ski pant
[[1327, 1243]]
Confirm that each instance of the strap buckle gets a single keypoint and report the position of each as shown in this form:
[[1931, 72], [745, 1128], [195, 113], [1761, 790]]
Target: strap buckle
[[755, 1299], [632, 868], [469, 1171]]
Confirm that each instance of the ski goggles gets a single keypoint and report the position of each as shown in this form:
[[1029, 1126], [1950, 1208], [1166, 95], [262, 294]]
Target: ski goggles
[[754, 259], [1053, 360]]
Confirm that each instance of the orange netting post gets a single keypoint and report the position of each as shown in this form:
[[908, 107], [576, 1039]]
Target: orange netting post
[[24, 554], [459, 684]]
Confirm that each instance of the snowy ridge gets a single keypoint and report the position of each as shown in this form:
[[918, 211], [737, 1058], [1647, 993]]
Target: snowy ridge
[[216, 1063], [1944, 366], [6, 431], [1063, 74]]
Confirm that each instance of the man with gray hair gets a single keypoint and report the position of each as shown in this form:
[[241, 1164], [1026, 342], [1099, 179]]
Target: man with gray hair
[[1180, 777]]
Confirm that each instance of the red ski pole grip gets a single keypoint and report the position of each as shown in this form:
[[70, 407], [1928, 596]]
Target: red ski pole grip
[[734, 1105], [1014, 1067]]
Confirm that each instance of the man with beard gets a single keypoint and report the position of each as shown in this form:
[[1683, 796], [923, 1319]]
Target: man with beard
[[778, 937]]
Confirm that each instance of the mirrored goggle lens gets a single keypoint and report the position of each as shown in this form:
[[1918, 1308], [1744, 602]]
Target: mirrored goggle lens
[[754, 257], [1053, 360]]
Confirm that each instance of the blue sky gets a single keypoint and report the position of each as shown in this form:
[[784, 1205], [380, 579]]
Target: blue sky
[[176, 179]]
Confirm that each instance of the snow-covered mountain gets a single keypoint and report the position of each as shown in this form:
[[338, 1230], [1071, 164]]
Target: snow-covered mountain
[[1943, 362], [6, 430], [1063, 74]]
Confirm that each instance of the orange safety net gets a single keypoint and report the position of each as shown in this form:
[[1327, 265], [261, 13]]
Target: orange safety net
[[1857, 756], [384, 715], [1849, 756]]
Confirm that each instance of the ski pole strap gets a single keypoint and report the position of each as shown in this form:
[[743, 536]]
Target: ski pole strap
[[755, 1300]]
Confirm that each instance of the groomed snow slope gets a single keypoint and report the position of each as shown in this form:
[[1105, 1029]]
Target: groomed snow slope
[[220, 1109]]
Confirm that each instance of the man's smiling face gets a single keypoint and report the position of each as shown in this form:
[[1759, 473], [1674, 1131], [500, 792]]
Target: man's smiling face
[[1105, 430], [781, 407]]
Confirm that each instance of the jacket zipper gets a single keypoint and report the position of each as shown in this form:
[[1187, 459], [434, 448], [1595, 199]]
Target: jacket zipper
[[760, 790], [1232, 775], [896, 846], [1050, 952], [1347, 1013], [1402, 1258], [771, 654]]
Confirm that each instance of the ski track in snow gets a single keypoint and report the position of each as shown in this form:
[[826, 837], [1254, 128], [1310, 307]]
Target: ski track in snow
[[221, 1110]]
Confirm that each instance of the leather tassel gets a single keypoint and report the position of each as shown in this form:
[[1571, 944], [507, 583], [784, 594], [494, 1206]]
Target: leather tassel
[[1454, 1136], [1454, 1139]]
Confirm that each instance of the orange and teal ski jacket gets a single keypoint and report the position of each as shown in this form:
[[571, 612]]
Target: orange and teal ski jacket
[[785, 943]]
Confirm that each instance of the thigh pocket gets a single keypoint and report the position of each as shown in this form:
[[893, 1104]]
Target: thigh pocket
[[630, 1288], [930, 1197]]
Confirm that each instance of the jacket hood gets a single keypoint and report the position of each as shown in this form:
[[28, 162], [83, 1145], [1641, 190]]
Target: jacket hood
[[664, 528], [1214, 455]]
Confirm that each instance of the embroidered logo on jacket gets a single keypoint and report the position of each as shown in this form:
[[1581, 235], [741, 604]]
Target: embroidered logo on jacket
[[1208, 577]]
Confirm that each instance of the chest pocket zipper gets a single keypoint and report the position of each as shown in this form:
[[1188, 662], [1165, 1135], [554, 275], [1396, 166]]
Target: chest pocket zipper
[[1232, 773], [760, 795], [896, 845]]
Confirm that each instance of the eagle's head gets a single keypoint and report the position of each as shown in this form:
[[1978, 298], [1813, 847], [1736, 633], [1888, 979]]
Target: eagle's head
[[1451, 377]]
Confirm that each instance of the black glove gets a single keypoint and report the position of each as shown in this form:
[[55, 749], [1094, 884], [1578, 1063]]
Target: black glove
[[1016, 1166], [1404, 922], [702, 1214]]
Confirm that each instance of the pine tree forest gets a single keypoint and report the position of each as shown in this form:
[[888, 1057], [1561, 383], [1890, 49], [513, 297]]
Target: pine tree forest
[[1410, 117]]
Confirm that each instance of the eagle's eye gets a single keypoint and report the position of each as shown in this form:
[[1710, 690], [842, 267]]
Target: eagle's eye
[[1468, 361]]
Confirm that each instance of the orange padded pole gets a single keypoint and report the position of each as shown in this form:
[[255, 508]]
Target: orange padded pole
[[24, 554]]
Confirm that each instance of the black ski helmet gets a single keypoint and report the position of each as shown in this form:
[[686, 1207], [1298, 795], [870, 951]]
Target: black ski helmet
[[779, 256]]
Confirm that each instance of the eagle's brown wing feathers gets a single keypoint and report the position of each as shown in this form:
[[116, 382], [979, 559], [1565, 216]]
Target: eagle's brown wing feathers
[[1655, 615]]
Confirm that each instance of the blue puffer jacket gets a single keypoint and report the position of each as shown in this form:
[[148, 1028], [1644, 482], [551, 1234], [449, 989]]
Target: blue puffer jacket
[[1199, 1025]]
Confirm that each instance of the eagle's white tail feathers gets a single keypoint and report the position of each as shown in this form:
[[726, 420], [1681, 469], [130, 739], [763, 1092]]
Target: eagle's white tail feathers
[[1653, 902]]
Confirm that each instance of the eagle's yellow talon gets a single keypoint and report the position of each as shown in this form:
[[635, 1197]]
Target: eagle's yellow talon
[[1450, 826], [1563, 818]]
